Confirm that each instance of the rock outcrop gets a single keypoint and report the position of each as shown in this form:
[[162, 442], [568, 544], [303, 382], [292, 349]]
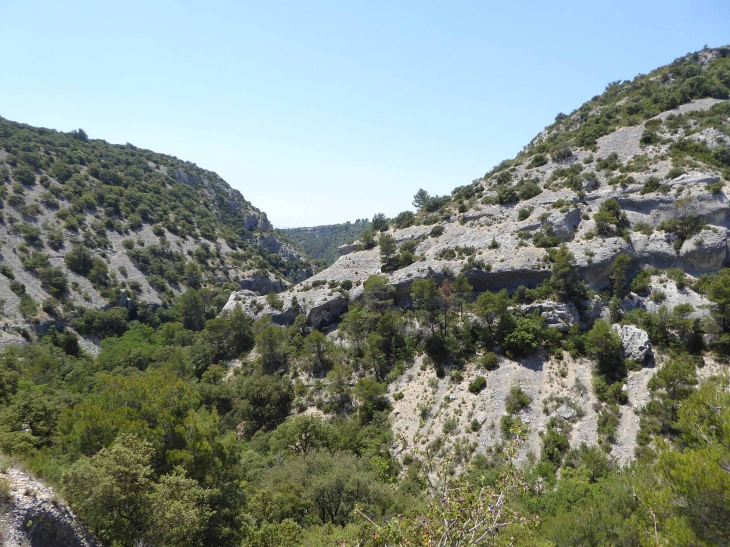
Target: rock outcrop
[[33, 515], [561, 316]]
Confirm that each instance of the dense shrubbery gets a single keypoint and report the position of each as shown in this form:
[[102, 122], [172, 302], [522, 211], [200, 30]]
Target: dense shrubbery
[[226, 452]]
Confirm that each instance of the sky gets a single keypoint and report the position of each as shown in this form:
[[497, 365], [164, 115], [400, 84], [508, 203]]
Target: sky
[[328, 111]]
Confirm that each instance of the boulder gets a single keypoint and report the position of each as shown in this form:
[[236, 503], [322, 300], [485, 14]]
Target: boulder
[[635, 342], [566, 412]]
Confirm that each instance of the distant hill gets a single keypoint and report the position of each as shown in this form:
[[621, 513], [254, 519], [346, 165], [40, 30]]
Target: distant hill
[[321, 242]]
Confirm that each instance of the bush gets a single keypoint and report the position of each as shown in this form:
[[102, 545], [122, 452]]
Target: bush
[[450, 426], [79, 260], [649, 137], [523, 214], [715, 188], [652, 184], [379, 222], [610, 217], [538, 160], [527, 189], [404, 219], [24, 175], [675, 172], [561, 154], [489, 360], [437, 230], [506, 194], [479, 383], [274, 301], [517, 400], [640, 284]]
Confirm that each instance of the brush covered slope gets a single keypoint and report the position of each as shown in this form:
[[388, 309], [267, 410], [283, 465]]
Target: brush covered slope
[[84, 223]]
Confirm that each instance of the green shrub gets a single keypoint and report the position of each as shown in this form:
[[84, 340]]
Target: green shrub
[[478, 384], [675, 172], [610, 218], [644, 228], [404, 219], [437, 230], [538, 160], [274, 301], [640, 284], [562, 154], [683, 228], [79, 260], [24, 175], [527, 189], [489, 360], [506, 194], [517, 400], [649, 137], [715, 188], [523, 214], [450, 426], [17, 287], [652, 184], [609, 163]]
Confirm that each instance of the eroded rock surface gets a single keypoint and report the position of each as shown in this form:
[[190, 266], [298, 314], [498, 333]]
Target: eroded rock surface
[[36, 517], [635, 342]]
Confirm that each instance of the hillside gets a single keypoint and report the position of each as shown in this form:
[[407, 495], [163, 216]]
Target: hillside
[[640, 169], [617, 212], [84, 222], [538, 359], [322, 242]]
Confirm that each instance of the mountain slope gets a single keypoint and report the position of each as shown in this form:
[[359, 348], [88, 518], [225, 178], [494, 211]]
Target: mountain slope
[[323, 242], [640, 170], [84, 222]]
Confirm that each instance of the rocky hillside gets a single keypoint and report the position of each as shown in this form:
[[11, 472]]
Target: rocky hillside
[[32, 514], [87, 224], [322, 242], [641, 169], [631, 186]]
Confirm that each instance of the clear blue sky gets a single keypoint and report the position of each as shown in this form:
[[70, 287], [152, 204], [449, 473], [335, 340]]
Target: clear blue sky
[[323, 112]]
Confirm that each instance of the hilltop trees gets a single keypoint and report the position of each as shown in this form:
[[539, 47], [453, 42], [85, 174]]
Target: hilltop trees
[[421, 199]]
